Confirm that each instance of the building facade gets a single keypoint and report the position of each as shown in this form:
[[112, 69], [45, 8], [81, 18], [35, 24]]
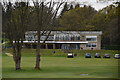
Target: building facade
[[82, 40]]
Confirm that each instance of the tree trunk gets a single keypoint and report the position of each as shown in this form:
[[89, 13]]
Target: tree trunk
[[17, 55], [37, 65], [18, 61], [17, 64]]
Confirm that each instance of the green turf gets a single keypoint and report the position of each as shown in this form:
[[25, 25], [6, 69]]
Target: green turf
[[0, 65], [58, 66], [49, 52], [62, 67]]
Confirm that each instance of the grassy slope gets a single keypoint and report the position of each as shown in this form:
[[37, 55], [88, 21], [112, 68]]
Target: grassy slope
[[54, 66]]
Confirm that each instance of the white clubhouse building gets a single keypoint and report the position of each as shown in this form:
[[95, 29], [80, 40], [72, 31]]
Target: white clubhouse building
[[82, 40]]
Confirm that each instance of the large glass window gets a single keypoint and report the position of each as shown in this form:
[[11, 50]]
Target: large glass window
[[50, 38], [91, 45], [60, 37], [65, 46], [72, 38], [29, 38], [78, 38], [56, 37], [91, 38], [67, 37], [42, 38]]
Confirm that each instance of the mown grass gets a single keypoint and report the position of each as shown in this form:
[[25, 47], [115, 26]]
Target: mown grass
[[0, 65], [59, 52], [59, 66], [62, 67]]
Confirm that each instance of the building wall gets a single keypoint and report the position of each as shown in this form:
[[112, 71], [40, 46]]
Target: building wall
[[97, 42], [66, 36]]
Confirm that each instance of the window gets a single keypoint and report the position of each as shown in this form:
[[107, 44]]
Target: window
[[91, 38], [72, 38], [42, 38], [50, 38], [91, 45], [56, 37], [67, 37], [36, 37], [60, 37], [29, 38], [78, 38]]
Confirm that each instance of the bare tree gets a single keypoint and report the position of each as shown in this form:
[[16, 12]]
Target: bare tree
[[15, 24], [15, 18], [45, 22]]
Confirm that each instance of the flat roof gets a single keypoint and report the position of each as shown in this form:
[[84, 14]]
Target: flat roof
[[56, 42], [67, 32]]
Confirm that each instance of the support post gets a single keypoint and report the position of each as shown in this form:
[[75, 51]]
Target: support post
[[53, 46], [46, 46], [80, 47], [31, 45]]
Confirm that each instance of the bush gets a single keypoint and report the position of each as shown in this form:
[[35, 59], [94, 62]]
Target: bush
[[112, 47]]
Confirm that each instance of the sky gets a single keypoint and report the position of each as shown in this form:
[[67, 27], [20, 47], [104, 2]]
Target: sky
[[94, 3]]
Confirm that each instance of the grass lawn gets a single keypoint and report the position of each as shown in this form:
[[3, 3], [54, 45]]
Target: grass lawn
[[60, 66], [0, 65]]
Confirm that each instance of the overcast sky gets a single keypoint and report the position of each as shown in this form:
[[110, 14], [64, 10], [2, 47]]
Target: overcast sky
[[94, 3]]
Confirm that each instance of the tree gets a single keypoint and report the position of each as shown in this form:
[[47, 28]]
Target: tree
[[65, 8], [77, 18], [107, 20], [71, 7], [77, 5], [44, 24], [15, 18], [113, 20]]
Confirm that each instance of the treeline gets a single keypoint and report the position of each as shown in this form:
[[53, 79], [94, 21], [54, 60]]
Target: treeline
[[87, 18], [72, 17]]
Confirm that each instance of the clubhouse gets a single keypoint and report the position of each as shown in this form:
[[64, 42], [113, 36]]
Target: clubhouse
[[81, 40]]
